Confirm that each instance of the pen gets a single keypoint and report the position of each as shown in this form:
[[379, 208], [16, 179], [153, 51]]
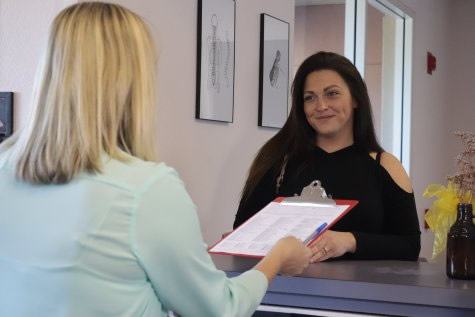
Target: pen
[[315, 233]]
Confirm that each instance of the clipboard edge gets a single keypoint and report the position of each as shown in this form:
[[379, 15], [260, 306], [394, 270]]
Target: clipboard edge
[[351, 203]]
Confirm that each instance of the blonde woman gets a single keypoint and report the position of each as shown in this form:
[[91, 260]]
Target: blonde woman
[[90, 225]]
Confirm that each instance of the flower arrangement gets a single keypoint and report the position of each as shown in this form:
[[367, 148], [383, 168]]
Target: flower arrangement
[[460, 189]]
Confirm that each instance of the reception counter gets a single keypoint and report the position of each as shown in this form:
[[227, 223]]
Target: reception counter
[[394, 288]]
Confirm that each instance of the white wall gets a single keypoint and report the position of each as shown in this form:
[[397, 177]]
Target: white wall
[[24, 28], [430, 108], [461, 86], [213, 158]]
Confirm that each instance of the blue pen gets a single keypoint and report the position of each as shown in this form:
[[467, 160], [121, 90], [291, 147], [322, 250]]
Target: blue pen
[[315, 233]]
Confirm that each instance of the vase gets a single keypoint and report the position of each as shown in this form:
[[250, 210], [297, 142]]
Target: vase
[[461, 245]]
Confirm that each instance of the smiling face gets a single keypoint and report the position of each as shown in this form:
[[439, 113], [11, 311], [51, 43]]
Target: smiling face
[[328, 106]]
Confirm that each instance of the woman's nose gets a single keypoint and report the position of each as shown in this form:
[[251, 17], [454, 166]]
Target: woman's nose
[[321, 104]]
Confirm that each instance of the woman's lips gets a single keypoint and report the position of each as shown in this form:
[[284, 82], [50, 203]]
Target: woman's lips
[[325, 117]]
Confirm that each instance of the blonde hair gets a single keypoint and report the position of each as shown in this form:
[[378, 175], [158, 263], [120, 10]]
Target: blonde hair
[[95, 95]]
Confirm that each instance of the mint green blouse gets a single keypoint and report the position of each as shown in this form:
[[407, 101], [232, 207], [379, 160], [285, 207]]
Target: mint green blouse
[[125, 242]]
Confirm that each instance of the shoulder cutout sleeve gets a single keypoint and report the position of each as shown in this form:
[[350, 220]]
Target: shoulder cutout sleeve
[[395, 169]]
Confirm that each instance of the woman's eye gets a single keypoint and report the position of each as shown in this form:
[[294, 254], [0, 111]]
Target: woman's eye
[[308, 98], [332, 93]]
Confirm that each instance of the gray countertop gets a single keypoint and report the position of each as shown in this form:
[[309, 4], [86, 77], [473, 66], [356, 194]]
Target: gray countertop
[[385, 287]]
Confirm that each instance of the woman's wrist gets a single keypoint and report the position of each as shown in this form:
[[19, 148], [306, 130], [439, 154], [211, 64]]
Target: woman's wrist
[[270, 265], [351, 243]]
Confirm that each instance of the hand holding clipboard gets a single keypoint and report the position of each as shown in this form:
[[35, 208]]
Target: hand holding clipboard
[[306, 217]]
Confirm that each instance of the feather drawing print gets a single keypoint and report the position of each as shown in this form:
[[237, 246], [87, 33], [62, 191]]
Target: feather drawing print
[[275, 70]]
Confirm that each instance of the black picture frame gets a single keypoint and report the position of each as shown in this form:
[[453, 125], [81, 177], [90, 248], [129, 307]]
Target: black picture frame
[[6, 115], [273, 72], [215, 60]]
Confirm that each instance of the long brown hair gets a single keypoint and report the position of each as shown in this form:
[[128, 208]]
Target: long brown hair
[[297, 136]]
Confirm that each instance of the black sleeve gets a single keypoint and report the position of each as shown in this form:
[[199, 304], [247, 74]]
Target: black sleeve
[[263, 194], [401, 237]]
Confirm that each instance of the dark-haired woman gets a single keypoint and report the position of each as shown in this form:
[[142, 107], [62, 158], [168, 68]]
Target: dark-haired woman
[[330, 136]]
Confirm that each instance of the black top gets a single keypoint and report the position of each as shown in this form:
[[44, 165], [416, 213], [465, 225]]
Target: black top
[[384, 222]]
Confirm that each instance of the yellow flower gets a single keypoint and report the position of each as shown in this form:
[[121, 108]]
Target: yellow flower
[[442, 214]]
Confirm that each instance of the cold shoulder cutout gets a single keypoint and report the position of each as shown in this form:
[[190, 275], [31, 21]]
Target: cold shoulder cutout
[[397, 172], [394, 168]]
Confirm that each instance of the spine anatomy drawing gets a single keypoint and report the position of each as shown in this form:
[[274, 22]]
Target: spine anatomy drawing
[[216, 51]]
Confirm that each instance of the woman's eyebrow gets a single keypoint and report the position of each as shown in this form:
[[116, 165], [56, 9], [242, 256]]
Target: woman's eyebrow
[[330, 87], [324, 89]]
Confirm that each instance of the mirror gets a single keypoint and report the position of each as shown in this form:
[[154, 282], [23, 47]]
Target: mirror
[[319, 26]]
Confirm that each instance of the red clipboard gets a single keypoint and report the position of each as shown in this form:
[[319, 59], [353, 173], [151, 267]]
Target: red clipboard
[[233, 245]]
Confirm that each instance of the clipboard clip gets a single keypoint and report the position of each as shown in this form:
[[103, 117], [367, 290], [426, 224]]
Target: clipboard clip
[[313, 194]]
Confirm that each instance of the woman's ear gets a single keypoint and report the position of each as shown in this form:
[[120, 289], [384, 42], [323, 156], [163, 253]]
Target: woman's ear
[[354, 104]]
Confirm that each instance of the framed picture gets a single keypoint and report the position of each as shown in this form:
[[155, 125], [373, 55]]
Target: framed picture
[[6, 115], [273, 72], [215, 62]]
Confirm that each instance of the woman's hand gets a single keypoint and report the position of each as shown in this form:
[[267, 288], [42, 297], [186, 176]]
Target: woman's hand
[[295, 256], [332, 244], [289, 256]]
